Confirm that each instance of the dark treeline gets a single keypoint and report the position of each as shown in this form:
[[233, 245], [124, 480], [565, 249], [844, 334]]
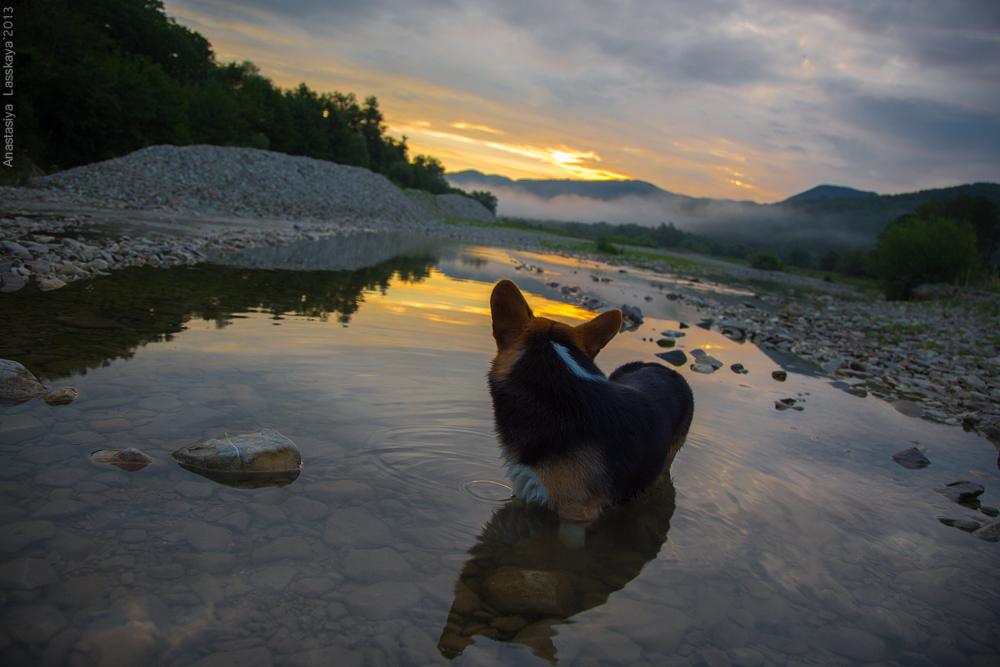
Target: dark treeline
[[98, 79]]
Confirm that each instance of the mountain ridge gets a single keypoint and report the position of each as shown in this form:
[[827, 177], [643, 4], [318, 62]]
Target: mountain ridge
[[811, 219]]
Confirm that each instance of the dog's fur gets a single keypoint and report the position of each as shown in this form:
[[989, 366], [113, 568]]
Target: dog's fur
[[574, 439]]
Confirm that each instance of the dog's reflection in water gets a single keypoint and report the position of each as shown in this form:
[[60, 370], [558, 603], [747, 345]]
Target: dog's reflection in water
[[525, 575]]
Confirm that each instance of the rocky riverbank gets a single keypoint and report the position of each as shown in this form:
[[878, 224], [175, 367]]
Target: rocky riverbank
[[938, 358]]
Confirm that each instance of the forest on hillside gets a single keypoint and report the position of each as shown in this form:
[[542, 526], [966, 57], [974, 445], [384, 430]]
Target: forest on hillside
[[98, 79]]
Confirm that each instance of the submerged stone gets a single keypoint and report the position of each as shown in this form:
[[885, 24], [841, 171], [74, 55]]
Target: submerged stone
[[631, 317], [530, 592], [674, 357], [253, 460], [59, 396], [961, 492], [908, 408], [911, 458], [51, 284], [17, 384], [780, 376], [262, 451], [968, 525], [128, 459], [990, 532]]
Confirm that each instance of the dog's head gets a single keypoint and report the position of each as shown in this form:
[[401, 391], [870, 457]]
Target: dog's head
[[513, 322]]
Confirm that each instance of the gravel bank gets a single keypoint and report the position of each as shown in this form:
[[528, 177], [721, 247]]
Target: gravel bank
[[938, 359]]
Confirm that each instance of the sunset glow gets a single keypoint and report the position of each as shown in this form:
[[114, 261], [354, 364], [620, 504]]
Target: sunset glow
[[679, 95]]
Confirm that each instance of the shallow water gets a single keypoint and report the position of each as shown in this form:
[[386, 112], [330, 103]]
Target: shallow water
[[785, 537]]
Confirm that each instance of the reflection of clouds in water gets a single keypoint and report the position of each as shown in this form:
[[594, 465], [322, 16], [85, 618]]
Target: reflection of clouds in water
[[524, 575]]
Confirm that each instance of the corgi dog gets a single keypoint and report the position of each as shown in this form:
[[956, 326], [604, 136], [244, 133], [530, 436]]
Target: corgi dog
[[573, 439]]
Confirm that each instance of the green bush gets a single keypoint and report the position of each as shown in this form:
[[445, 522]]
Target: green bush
[[799, 256], [605, 246], [828, 262], [912, 251], [768, 261], [737, 250], [854, 262], [486, 198]]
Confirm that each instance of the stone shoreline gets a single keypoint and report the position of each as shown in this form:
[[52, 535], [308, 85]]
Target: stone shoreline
[[937, 359]]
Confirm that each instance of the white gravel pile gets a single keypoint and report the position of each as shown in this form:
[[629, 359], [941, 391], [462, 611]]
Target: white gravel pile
[[453, 206], [243, 182]]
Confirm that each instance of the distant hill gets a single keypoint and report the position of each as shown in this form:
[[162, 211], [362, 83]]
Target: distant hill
[[815, 219], [549, 189], [831, 192]]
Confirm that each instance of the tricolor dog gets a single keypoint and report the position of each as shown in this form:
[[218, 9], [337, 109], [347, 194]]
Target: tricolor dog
[[574, 439]]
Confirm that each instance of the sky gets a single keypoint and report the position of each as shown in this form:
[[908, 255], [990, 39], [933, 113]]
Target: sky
[[755, 100]]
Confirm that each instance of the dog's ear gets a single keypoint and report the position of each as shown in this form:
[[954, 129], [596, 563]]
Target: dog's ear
[[599, 331], [510, 312]]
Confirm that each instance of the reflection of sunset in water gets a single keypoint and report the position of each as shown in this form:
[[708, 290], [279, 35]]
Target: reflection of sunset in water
[[785, 532]]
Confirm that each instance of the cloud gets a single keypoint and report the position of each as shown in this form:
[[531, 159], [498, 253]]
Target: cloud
[[760, 98]]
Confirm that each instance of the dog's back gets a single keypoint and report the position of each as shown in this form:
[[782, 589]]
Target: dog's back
[[573, 438]]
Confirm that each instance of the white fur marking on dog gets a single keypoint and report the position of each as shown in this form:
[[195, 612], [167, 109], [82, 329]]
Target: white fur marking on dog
[[573, 366], [526, 485]]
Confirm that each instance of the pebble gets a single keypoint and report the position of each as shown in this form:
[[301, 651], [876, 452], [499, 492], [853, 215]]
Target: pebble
[[61, 477], [356, 527], [17, 536], [33, 624], [961, 492], [195, 490], [745, 657], [205, 537], [989, 532], [17, 383], [674, 357], [851, 642], [59, 509], [18, 428], [372, 565], [273, 579], [167, 572], [212, 562], [25, 574], [911, 458], [323, 657], [383, 600], [304, 509], [292, 547], [314, 587], [529, 592]]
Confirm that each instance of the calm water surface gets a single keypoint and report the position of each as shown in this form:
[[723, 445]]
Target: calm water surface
[[784, 537]]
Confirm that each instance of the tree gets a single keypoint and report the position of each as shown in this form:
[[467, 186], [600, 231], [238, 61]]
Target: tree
[[486, 198], [828, 262], [428, 174], [854, 263], [913, 250], [980, 212], [767, 261], [799, 256]]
